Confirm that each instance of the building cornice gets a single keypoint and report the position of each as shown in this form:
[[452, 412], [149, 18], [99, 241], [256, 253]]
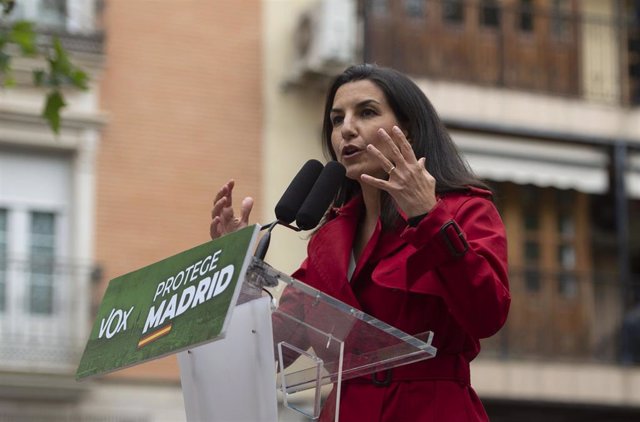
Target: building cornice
[[27, 129], [68, 120]]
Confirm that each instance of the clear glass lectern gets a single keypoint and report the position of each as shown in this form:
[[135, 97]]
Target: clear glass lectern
[[319, 340]]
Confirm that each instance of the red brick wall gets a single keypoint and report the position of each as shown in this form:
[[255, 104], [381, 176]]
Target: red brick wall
[[182, 93]]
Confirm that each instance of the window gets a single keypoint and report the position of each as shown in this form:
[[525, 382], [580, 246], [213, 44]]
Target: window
[[51, 14], [42, 248], [414, 8], [489, 14], [453, 11], [567, 280], [525, 16], [566, 248], [550, 269], [378, 7], [45, 284], [560, 19], [633, 51], [3, 259], [531, 217], [532, 271]]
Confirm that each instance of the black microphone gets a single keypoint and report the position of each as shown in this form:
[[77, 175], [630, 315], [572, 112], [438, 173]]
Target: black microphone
[[323, 192], [298, 190], [290, 202]]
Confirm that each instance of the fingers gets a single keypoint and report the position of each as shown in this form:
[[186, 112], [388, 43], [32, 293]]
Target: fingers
[[218, 206], [222, 198], [224, 191], [375, 182], [411, 187], [223, 220], [398, 151], [387, 165], [245, 210], [395, 156], [399, 147], [227, 214], [230, 184], [220, 201], [403, 145], [409, 183], [214, 230]]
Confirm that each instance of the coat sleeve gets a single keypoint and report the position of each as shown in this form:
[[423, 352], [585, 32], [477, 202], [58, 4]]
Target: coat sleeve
[[464, 243]]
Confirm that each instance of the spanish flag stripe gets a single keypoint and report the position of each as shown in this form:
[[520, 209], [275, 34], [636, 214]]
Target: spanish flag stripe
[[154, 336]]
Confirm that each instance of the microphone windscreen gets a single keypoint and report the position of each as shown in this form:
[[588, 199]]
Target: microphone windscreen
[[321, 196], [292, 198]]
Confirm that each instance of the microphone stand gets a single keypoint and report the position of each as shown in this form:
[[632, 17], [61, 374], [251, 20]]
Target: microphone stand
[[263, 244]]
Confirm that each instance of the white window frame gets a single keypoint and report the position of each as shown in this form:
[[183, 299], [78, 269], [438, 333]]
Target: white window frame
[[79, 18]]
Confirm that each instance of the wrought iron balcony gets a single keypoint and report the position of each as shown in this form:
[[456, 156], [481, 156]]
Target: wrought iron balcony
[[570, 317], [555, 48], [44, 316]]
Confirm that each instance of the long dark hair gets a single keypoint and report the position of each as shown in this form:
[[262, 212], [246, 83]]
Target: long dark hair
[[428, 135]]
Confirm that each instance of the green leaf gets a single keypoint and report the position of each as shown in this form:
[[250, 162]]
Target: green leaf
[[61, 58], [38, 77], [6, 79], [9, 81], [51, 113], [5, 62], [24, 36], [79, 79], [62, 71], [53, 75]]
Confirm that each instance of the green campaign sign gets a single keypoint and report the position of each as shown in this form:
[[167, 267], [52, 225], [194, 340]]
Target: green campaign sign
[[181, 301]]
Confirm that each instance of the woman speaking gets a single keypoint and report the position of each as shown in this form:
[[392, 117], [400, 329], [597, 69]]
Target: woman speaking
[[413, 239]]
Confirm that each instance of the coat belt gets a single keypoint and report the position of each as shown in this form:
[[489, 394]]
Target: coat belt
[[439, 368]]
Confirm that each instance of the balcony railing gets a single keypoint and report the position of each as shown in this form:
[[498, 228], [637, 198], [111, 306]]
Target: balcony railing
[[584, 318], [561, 51], [43, 314], [577, 318], [77, 43]]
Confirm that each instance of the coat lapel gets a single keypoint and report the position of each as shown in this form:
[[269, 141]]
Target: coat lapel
[[331, 250], [388, 243]]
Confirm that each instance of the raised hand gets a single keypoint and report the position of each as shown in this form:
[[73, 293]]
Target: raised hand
[[409, 183], [223, 220]]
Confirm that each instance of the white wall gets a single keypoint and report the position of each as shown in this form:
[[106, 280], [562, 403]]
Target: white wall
[[292, 126]]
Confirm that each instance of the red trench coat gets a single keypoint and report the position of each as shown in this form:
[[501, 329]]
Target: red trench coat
[[447, 275]]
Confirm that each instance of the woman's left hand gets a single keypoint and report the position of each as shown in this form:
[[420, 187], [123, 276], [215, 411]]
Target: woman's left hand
[[409, 183]]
